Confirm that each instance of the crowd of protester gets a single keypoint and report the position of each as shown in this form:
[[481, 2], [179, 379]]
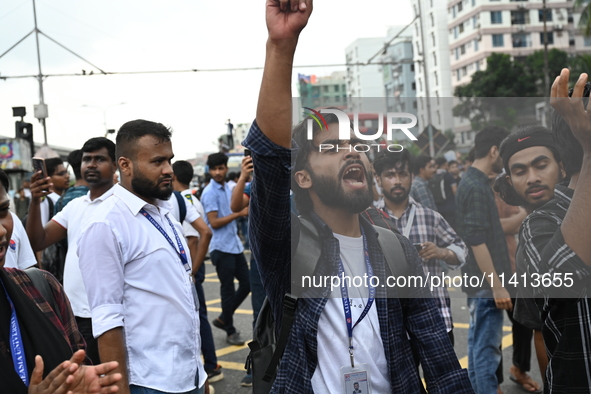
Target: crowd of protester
[[122, 308]]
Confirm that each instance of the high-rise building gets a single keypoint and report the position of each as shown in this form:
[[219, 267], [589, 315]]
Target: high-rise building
[[398, 73], [478, 28], [322, 91], [363, 81], [432, 64]]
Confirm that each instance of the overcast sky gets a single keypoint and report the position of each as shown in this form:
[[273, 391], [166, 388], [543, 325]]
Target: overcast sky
[[132, 35]]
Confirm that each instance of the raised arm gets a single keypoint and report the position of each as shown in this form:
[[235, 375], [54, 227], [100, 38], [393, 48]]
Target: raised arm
[[576, 222], [285, 20], [239, 200]]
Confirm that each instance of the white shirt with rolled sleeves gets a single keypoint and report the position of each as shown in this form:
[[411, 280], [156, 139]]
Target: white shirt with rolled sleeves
[[135, 279], [73, 218], [19, 254]]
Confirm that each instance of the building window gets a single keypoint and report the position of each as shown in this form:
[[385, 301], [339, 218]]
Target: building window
[[460, 6], [550, 36], [521, 40], [520, 17], [336, 88], [462, 49], [414, 86], [453, 11], [459, 76], [498, 40], [473, 3], [461, 27], [587, 41], [438, 117], [412, 68], [457, 53], [431, 3], [496, 17], [456, 32], [414, 104], [436, 79], [433, 38], [548, 15], [434, 59], [477, 64], [325, 89], [432, 20], [475, 45], [464, 71]]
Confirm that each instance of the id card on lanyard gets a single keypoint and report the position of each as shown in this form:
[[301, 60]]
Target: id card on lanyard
[[180, 252], [17, 348], [356, 377]]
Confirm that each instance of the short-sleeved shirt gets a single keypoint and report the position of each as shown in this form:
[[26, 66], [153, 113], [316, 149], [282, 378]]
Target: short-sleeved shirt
[[216, 197], [477, 223], [190, 216], [73, 218], [19, 254], [450, 201], [193, 200], [70, 194]]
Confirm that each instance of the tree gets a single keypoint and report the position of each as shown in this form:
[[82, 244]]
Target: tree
[[580, 64], [534, 66], [484, 99], [585, 21]]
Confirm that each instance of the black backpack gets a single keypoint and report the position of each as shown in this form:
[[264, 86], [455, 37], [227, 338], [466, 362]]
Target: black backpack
[[265, 349], [437, 187], [182, 207]]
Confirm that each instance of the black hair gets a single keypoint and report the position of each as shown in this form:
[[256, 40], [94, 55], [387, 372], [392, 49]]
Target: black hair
[[183, 171], [507, 192], [4, 180], [567, 145], [97, 143], [451, 162], [420, 162], [387, 160], [75, 161], [232, 176], [471, 154], [300, 137], [440, 160], [217, 159], [52, 164], [487, 138], [132, 131]]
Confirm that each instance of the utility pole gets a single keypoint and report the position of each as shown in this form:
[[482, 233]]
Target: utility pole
[[546, 67], [41, 109], [426, 77]]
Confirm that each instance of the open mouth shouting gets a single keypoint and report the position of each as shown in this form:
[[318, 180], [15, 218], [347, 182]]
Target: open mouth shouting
[[354, 176]]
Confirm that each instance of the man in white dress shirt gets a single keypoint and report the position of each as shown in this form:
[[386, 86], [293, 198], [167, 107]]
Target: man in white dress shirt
[[137, 271]]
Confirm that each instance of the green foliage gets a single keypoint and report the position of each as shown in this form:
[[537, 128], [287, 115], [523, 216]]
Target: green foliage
[[585, 21]]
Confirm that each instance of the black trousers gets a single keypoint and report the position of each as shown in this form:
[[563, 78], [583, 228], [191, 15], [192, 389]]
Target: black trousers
[[85, 328]]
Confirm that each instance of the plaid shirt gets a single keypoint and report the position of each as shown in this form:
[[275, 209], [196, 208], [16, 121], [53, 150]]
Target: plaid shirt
[[270, 230], [567, 321], [477, 223], [67, 325], [419, 190], [430, 226]]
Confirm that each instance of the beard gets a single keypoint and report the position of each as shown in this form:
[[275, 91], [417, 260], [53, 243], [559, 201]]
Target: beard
[[149, 189], [396, 199], [331, 192]]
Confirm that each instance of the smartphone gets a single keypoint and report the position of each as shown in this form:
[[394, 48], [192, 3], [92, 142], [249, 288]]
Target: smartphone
[[247, 152], [39, 165], [418, 247]]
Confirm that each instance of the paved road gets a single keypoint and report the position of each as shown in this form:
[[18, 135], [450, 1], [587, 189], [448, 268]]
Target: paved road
[[232, 357]]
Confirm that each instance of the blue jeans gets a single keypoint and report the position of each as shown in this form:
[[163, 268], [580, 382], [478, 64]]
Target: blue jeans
[[207, 345], [484, 341], [133, 389], [228, 267]]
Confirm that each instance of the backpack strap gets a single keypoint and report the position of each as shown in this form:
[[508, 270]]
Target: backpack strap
[[182, 207], [393, 252], [290, 303], [41, 284], [305, 258]]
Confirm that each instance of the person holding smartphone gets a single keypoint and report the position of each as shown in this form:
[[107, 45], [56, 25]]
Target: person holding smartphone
[[433, 237]]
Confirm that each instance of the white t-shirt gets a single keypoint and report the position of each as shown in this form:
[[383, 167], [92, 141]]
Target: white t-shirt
[[44, 207], [190, 217], [333, 339], [73, 218], [187, 228], [19, 254]]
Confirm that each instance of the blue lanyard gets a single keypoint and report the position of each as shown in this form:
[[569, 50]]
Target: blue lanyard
[[181, 252], [345, 297], [16, 344]]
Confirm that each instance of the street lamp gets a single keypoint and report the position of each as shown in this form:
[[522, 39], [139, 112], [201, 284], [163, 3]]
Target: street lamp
[[104, 109]]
